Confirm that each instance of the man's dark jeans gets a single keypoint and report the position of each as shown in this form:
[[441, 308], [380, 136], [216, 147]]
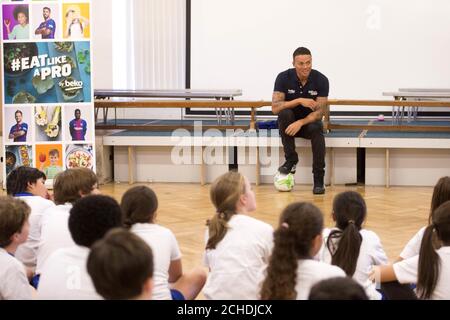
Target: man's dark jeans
[[312, 131]]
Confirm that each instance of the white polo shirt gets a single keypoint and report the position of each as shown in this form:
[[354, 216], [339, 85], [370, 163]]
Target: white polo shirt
[[412, 248], [27, 251], [310, 271], [371, 253], [406, 271], [165, 250], [55, 233], [64, 276], [238, 262], [13, 279]]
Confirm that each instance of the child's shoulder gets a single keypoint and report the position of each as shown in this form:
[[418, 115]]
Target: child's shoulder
[[38, 202], [369, 236], [10, 265], [320, 267], [162, 229], [256, 222], [152, 228]]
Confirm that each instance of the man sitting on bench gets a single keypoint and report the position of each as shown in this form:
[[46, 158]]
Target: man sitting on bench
[[299, 97]]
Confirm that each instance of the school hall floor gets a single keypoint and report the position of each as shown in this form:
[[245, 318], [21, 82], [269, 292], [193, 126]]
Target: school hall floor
[[395, 214]]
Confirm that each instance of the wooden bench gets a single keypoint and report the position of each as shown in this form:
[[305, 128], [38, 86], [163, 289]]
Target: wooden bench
[[414, 94], [220, 95], [255, 105], [329, 125], [202, 104]]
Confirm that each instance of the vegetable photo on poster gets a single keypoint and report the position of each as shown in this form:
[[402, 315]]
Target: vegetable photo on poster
[[17, 156], [48, 123], [47, 72], [80, 156]]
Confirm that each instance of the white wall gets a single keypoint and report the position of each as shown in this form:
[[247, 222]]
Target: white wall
[[102, 43]]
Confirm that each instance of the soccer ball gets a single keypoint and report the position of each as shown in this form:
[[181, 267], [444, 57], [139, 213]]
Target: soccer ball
[[284, 182]]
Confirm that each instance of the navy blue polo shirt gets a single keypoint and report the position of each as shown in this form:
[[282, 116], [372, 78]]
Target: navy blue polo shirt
[[316, 86]]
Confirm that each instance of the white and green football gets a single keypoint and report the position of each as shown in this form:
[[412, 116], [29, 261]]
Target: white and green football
[[284, 182]]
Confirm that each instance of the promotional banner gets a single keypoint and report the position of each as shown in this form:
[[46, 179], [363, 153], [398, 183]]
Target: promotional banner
[[48, 112]]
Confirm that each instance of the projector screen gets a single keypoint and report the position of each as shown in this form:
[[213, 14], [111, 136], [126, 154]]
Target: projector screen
[[364, 47]]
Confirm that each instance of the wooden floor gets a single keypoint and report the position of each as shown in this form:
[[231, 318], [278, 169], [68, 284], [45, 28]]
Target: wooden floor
[[395, 214]]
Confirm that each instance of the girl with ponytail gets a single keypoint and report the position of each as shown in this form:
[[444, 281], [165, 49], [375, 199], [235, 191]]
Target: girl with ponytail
[[441, 194], [237, 246], [292, 271], [139, 206], [430, 270], [349, 246]]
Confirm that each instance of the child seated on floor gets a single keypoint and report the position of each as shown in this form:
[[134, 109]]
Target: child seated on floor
[[28, 184], [292, 271], [238, 246], [14, 229], [69, 186], [351, 247], [121, 266], [139, 207], [430, 270], [64, 275]]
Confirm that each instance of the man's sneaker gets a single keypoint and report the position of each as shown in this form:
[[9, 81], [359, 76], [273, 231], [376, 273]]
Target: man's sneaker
[[287, 167], [319, 187], [319, 190]]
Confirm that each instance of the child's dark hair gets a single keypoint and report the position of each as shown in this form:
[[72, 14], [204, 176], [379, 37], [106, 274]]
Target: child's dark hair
[[337, 289], [71, 184], [429, 260], [54, 152], [69, 11], [441, 194], [91, 217], [300, 224], [120, 264], [13, 215], [17, 180], [349, 209], [20, 9], [139, 205], [224, 193]]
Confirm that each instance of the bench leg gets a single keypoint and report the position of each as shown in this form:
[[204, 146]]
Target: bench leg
[[332, 167], [387, 169], [258, 168], [202, 169], [253, 118], [130, 164], [326, 119]]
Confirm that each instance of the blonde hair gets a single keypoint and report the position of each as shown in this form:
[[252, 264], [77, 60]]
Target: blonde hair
[[73, 9], [225, 194]]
